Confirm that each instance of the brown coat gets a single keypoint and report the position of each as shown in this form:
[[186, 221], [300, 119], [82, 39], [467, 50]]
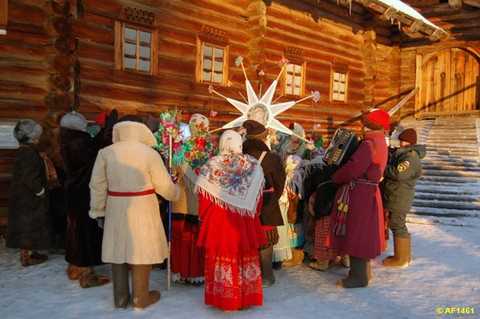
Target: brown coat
[[274, 173]]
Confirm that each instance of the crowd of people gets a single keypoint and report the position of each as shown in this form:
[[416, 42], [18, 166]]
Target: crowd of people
[[240, 207]]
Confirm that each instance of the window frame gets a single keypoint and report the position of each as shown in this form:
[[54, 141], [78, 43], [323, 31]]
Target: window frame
[[120, 41], [200, 59], [332, 81], [302, 64]]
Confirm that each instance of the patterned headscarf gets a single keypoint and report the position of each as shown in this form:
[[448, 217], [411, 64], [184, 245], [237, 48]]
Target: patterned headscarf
[[232, 179], [198, 124], [230, 142], [27, 131]]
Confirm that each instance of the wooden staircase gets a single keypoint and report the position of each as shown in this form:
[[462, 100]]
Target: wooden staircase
[[450, 185]]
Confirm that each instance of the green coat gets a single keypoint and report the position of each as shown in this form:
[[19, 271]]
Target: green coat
[[403, 170]]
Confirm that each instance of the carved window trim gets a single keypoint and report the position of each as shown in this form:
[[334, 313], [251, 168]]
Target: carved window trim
[[339, 83], [139, 17], [217, 39], [3, 16], [120, 41]]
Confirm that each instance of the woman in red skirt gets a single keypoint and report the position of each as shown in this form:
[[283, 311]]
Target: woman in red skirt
[[230, 188], [187, 258]]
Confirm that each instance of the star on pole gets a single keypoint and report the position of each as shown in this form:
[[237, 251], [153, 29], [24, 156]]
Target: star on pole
[[261, 108]]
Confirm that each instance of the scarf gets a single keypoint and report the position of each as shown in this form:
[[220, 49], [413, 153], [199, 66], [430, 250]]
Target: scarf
[[232, 180]]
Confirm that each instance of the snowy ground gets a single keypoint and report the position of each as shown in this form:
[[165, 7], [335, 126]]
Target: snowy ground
[[445, 272]]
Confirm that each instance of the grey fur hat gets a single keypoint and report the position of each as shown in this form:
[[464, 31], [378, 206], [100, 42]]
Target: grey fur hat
[[27, 131], [74, 121]]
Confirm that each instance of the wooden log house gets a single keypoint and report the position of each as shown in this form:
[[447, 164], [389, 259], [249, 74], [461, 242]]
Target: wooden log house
[[147, 56]]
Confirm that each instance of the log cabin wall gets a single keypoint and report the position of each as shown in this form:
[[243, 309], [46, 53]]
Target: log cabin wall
[[26, 52], [263, 34], [324, 47], [178, 23]]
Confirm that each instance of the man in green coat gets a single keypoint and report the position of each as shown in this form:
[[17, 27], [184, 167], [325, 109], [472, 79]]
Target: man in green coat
[[403, 170]]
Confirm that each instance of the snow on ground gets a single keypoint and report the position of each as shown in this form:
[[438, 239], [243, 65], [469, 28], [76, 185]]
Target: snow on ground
[[445, 272]]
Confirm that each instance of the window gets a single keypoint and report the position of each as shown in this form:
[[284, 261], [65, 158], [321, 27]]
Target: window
[[294, 79], [212, 63], [339, 86], [135, 48]]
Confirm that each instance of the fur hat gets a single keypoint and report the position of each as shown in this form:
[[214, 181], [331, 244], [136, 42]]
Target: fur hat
[[74, 121], [254, 128], [409, 135], [377, 119], [27, 131]]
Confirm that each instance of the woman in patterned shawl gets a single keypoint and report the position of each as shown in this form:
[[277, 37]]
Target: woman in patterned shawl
[[230, 187]]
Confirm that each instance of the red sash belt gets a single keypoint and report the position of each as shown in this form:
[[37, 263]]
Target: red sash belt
[[131, 194], [269, 190]]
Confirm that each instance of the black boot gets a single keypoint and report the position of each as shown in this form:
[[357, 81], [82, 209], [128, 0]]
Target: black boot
[[268, 278], [121, 290], [358, 275]]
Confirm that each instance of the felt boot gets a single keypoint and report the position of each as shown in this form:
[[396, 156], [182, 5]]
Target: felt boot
[[358, 274], [142, 297], [297, 258], [268, 278], [320, 265], [401, 253], [121, 290]]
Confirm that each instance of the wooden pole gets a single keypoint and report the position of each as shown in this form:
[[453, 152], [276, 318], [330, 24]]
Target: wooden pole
[[169, 263]]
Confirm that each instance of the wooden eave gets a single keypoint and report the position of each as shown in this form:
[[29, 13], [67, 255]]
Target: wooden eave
[[369, 15]]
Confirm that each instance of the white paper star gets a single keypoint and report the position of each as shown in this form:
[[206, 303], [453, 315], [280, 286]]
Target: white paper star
[[261, 108]]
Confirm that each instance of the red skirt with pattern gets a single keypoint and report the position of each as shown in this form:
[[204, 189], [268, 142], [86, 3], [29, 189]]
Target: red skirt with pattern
[[233, 282], [232, 267], [187, 258]]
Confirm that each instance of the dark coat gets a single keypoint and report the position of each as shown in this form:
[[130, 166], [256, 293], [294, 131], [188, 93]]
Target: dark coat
[[365, 237], [84, 237], [274, 173], [401, 174], [28, 223]]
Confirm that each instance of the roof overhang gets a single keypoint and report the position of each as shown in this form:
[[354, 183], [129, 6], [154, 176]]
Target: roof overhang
[[409, 21]]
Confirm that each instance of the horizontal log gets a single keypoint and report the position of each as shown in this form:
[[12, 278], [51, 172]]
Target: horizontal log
[[108, 8], [316, 32], [89, 32], [311, 45], [14, 71], [91, 50], [274, 50], [22, 52], [96, 19], [23, 14], [19, 87], [22, 108], [22, 37]]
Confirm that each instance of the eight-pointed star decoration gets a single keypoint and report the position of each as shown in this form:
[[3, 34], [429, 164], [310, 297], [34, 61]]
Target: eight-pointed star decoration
[[261, 109]]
